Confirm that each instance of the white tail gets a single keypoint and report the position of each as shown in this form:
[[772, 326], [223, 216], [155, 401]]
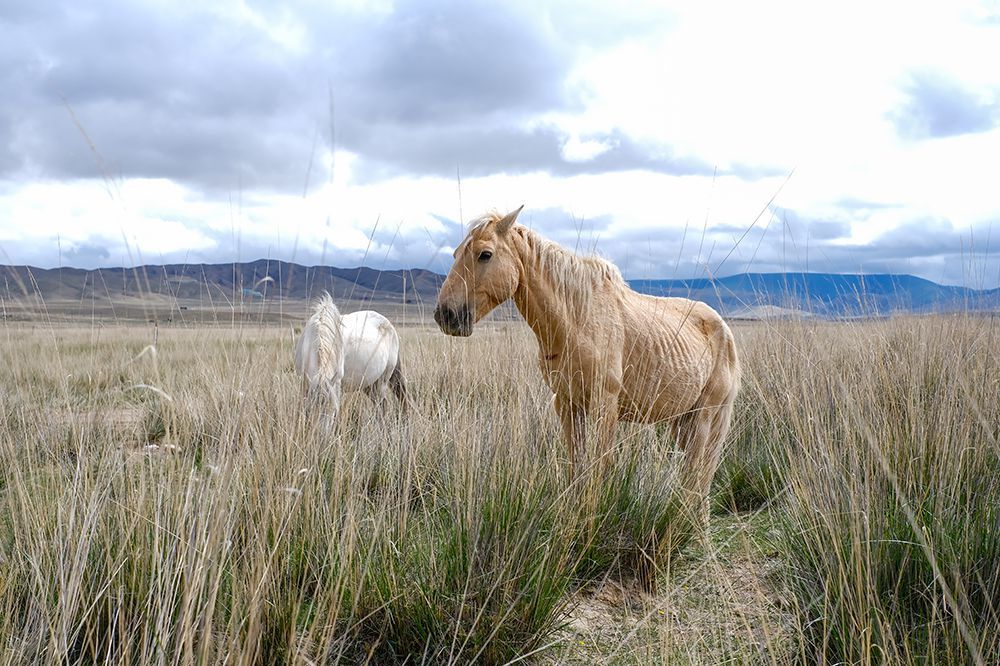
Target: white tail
[[319, 353]]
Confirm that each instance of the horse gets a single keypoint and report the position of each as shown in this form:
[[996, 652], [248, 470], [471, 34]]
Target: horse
[[604, 350], [354, 352]]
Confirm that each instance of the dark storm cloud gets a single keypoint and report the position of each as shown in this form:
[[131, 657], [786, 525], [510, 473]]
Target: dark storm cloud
[[937, 107], [219, 102]]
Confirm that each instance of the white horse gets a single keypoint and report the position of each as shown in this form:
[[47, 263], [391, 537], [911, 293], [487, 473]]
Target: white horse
[[354, 352]]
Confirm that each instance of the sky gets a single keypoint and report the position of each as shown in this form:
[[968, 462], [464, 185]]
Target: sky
[[685, 139]]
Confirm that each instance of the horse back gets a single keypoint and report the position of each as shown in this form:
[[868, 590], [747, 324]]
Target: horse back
[[669, 357], [371, 348]]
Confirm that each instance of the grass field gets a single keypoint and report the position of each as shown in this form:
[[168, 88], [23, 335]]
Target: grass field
[[173, 504]]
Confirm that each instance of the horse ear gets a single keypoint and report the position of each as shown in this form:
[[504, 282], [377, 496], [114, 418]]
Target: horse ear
[[507, 221]]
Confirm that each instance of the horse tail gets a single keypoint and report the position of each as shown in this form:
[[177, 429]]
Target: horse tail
[[319, 352]]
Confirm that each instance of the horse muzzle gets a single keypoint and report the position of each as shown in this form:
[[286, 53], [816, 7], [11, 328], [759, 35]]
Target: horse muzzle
[[454, 322]]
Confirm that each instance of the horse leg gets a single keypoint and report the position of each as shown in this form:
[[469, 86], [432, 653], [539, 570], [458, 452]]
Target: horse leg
[[607, 424], [398, 386], [701, 436], [719, 420], [377, 394], [573, 420], [700, 456], [703, 430]]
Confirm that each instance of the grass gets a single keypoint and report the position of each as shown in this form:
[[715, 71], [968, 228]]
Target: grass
[[179, 506], [899, 486]]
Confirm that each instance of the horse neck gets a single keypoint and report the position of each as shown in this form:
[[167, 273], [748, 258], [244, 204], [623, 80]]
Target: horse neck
[[541, 298]]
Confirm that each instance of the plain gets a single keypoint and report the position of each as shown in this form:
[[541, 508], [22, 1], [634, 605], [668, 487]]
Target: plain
[[171, 503]]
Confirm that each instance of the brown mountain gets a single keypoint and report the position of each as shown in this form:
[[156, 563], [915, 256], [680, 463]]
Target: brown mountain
[[261, 279]]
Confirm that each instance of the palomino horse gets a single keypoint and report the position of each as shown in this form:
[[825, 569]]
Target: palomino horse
[[604, 350], [354, 352]]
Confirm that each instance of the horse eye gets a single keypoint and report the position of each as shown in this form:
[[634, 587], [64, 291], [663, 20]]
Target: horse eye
[[485, 255]]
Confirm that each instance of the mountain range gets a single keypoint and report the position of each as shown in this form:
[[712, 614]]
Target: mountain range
[[219, 283], [750, 295], [824, 294]]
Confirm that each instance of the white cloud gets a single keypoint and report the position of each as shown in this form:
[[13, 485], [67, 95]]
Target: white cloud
[[611, 115]]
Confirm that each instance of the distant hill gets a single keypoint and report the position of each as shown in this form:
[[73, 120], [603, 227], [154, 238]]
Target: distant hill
[[824, 294], [750, 295], [220, 283]]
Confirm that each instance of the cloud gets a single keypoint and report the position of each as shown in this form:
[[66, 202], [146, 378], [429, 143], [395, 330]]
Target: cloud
[[88, 254], [795, 225], [862, 205], [460, 85], [928, 246], [479, 151], [239, 96], [223, 115], [939, 107], [931, 247], [450, 60], [181, 95]]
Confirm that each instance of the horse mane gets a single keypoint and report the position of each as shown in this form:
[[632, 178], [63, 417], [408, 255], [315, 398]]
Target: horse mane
[[574, 276]]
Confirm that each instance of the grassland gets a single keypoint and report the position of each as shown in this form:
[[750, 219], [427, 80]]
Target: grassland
[[173, 504]]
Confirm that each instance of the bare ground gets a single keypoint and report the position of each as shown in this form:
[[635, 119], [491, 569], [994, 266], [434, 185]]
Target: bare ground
[[722, 601]]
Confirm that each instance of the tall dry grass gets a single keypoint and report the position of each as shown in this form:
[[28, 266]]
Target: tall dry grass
[[249, 536], [177, 505], [878, 443]]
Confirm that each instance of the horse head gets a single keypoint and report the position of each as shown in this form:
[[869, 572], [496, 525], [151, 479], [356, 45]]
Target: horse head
[[486, 273]]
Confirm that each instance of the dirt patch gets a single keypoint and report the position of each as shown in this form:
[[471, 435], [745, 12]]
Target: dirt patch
[[721, 601], [606, 606]]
